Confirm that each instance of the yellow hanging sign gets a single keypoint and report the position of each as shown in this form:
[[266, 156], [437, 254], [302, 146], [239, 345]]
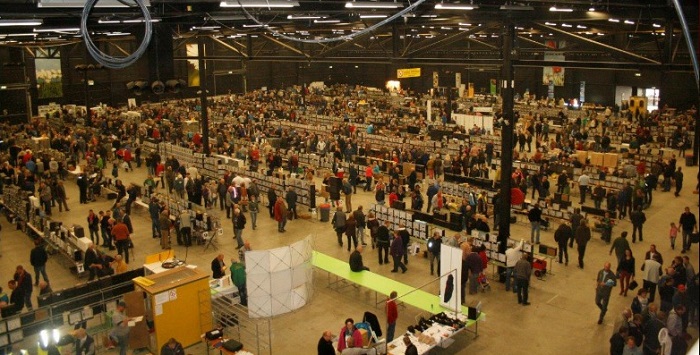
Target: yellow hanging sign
[[408, 73]]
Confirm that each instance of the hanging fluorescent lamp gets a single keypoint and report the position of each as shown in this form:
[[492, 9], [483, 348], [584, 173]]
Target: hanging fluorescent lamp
[[56, 29], [372, 5], [327, 21], [81, 3], [8, 23], [560, 9], [304, 17], [373, 16], [466, 7], [260, 3]]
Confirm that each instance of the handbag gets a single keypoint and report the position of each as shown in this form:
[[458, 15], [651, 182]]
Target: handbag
[[633, 285], [695, 238]]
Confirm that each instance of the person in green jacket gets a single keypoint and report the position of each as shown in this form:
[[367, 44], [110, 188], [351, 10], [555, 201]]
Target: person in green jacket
[[238, 277]]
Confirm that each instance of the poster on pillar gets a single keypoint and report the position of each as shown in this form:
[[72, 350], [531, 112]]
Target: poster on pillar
[[470, 91], [553, 74], [436, 79], [458, 80], [192, 64], [450, 277], [492, 86]]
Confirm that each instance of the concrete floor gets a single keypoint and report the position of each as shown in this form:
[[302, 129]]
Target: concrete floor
[[562, 315]]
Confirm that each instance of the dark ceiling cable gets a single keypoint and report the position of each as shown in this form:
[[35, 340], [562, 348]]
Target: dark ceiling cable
[[111, 61]]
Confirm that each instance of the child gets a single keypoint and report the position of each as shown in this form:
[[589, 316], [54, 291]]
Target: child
[[672, 235]]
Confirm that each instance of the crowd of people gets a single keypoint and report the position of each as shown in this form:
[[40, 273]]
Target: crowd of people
[[107, 144]]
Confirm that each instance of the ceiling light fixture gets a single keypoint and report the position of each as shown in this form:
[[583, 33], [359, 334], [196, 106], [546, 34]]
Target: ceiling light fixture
[[560, 9], [254, 26], [656, 25], [591, 9], [465, 7], [550, 23], [303, 17], [629, 22], [204, 28], [613, 20], [8, 23], [373, 16], [565, 25], [21, 35], [140, 20], [581, 26], [260, 3], [327, 21], [373, 5], [57, 29]]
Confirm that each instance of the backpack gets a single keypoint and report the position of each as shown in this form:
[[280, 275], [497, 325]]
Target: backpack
[[347, 189]]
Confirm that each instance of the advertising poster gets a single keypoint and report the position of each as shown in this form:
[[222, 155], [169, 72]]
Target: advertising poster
[[192, 65], [48, 77]]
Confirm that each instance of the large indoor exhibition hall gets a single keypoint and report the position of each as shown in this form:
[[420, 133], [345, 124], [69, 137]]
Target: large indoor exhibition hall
[[349, 177]]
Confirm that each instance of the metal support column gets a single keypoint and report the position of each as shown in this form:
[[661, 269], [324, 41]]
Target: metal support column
[[204, 114], [507, 92]]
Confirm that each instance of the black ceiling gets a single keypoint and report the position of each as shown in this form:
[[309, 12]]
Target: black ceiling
[[639, 32]]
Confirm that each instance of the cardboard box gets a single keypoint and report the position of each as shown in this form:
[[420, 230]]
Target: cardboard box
[[365, 337]]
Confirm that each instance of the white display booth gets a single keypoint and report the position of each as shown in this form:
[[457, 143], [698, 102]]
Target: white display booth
[[279, 280]]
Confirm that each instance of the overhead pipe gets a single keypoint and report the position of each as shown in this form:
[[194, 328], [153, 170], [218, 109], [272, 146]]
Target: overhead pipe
[[688, 41]]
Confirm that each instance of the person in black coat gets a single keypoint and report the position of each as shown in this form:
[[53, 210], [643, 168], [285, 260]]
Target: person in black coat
[[355, 262], [562, 236], [325, 344], [83, 186], [218, 267], [38, 258], [617, 341], [410, 348], [271, 198], [93, 262]]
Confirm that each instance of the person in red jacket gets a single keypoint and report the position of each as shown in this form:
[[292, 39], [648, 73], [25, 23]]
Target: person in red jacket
[[392, 313], [280, 213], [368, 177], [349, 336]]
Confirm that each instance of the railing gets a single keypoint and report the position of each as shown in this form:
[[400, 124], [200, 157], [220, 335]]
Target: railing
[[89, 304], [254, 334]]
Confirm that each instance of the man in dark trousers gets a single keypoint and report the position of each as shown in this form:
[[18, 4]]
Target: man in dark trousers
[[637, 217], [562, 236], [605, 281], [397, 251], [24, 283], [535, 217], [678, 178], [688, 224], [523, 271], [38, 258], [383, 241], [582, 236]]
